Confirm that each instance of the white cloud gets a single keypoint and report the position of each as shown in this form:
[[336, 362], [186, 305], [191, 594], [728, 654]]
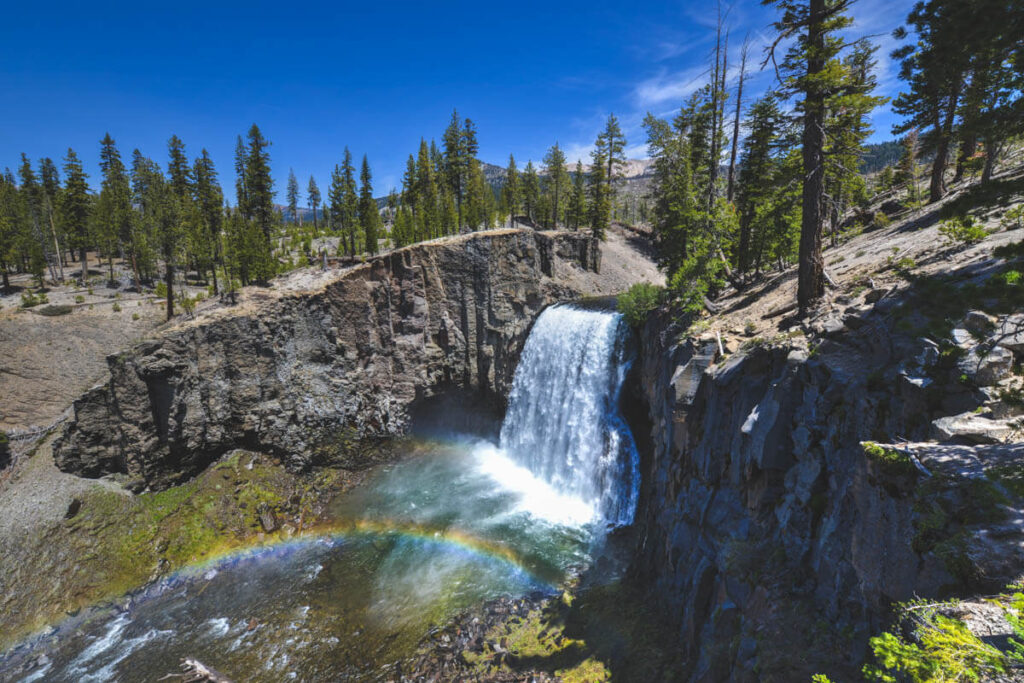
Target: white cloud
[[666, 87]]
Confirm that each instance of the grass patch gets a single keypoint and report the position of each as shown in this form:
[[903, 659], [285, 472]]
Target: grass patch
[[602, 634], [120, 541], [889, 460], [62, 309]]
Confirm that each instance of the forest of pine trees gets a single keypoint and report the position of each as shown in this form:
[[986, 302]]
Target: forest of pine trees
[[723, 209], [164, 223], [794, 180]]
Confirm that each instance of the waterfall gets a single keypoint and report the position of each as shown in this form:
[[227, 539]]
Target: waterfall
[[563, 421]]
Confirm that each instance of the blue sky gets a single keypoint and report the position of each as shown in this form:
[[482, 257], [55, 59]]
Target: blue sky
[[374, 76]]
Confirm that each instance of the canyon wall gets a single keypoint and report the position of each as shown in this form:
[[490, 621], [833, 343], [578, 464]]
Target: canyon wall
[[317, 372], [774, 541]]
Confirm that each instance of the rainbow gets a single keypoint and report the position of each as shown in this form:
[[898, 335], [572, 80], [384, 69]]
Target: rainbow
[[338, 532]]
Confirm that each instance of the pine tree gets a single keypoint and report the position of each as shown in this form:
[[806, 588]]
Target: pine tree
[[611, 146], [460, 146], [75, 206], [8, 227], [49, 179], [763, 179], [292, 195], [934, 69], [557, 181], [257, 188], [847, 128], [33, 243], [511, 192], [209, 200], [479, 207], [600, 196], [178, 170], [113, 210], [433, 220], [744, 53], [812, 73], [578, 199], [369, 217], [241, 182], [531, 192], [347, 212], [313, 198], [906, 167]]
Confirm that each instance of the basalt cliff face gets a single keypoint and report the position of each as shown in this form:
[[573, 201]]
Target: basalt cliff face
[[775, 540], [315, 372]]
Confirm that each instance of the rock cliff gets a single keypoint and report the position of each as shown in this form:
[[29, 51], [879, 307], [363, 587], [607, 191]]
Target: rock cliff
[[774, 532], [323, 364]]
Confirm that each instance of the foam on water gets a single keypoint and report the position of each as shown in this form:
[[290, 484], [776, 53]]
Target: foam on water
[[563, 422]]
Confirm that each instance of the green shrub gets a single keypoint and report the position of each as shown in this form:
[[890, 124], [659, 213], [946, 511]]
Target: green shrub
[[962, 231], [187, 303], [948, 651], [79, 299], [641, 299], [1014, 218], [28, 299], [890, 460], [135, 316], [62, 309], [880, 220], [160, 290], [116, 308]]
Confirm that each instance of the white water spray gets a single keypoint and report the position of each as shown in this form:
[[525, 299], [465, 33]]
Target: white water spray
[[563, 421]]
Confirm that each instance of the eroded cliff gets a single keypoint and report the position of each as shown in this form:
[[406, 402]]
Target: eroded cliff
[[774, 532], [322, 365]]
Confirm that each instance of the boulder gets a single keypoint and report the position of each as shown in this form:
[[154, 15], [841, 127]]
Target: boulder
[[979, 322], [972, 428], [1010, 334], [985, 367]]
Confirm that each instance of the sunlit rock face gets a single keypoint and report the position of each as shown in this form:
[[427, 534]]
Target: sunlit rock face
[[773, 538], [316, 374]]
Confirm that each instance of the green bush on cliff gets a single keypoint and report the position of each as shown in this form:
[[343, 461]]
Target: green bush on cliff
[[638, 301], [962, 231], [946, 651]]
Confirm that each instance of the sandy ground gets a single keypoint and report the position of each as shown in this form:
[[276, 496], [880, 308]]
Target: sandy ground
[[46, 362], [866, 261], [37, 494]]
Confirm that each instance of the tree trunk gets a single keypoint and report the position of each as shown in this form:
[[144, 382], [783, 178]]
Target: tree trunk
[[7, 279], [110, 265], [811, 281], [966, 151], [743, 251], [213, 269], [56, 247], [170, 290], [937, 188], [736, 123], [85, 267], [991, 155]]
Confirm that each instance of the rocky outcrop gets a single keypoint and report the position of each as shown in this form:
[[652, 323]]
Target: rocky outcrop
[[312, 374], [773, 531]]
